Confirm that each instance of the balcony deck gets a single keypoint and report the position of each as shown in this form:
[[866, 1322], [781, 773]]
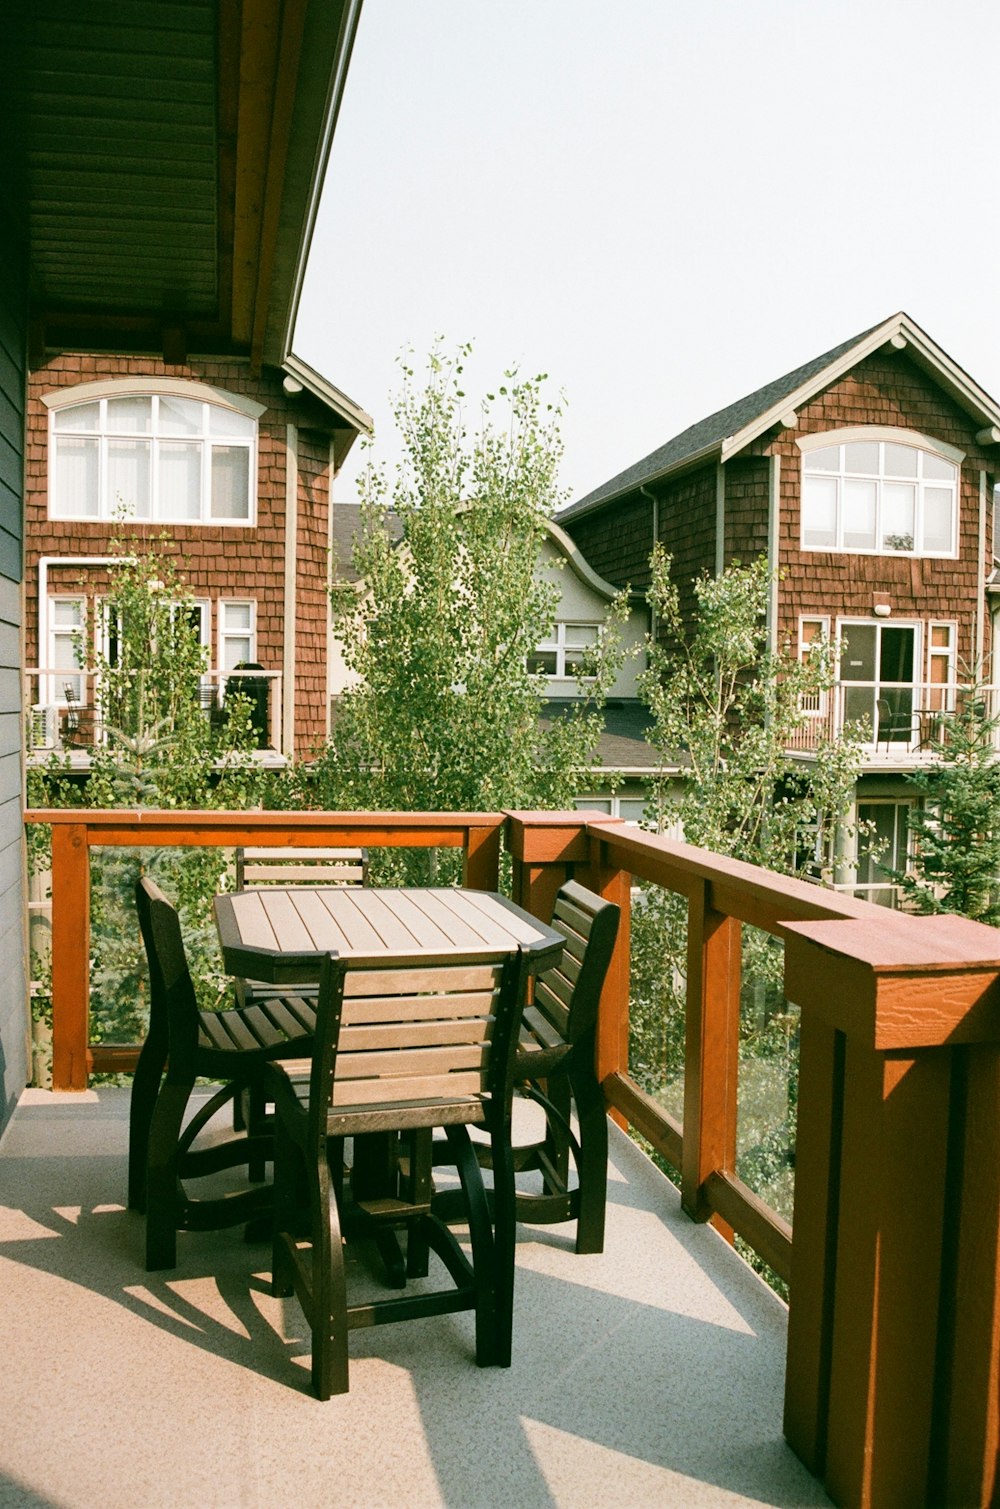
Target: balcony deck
[[649, 1375]]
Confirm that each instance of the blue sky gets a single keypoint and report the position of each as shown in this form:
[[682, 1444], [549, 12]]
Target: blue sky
[[662, 204]]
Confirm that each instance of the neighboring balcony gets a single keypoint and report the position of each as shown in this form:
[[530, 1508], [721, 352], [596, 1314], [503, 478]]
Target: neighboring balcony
[[900, 723], [892, 1346], [67, 716]]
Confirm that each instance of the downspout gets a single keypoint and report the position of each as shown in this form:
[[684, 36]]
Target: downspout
[[720, 518], [655, 504], [980, 628], [773, 516]]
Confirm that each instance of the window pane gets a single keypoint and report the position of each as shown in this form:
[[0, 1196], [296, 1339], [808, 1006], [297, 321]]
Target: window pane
[[76, 477], [180, 480], [578, 635], [938, 513], [129, 416], [236, 616], [128, 477], [941, 636], [593, 804], [857, 653], [826, 460], [812, 629], [898, 504], [82, 416], [225, 422], [235, 650], [180, 416], [230, 482], [938, 468], [543, 661], [862, 457], [900, 461], [631, 809], [859, 515], [67, 612], [819, 511]]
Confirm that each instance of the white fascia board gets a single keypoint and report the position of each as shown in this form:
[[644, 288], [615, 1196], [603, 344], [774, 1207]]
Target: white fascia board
[[345, 408], [950, 375]]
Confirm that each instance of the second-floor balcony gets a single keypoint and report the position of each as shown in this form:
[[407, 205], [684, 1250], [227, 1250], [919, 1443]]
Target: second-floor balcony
[[69, 715], [890, 1347], [899, 723]]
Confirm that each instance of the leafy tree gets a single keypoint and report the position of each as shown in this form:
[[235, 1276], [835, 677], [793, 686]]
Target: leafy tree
[[726, 709], [956, 827], [444, 712], [157, 748]]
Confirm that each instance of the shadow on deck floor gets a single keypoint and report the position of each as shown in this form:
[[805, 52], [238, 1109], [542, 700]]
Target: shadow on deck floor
[[651, 1374]]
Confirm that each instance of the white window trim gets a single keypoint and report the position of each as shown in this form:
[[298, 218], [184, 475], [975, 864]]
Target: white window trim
[[202, 393], [556, 641], [890, 435], [59, 676], [823, 619], [223, 634]]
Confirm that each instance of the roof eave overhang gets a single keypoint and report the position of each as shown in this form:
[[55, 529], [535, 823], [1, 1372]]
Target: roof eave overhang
[[687, 464], [908, 337]]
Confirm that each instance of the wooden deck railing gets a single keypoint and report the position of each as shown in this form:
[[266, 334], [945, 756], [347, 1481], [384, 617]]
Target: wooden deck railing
[[893, 1377]]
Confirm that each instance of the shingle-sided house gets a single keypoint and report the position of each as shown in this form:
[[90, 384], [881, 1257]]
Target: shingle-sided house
[[866, 476], [160, 171], [228, 468]]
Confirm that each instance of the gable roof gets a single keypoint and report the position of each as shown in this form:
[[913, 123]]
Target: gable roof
[[726, 432]]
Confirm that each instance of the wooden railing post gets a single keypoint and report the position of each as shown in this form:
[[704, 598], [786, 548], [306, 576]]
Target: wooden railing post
[[70, 956], [614, 884], [481, 870], [893, 1373], [712, 1051]]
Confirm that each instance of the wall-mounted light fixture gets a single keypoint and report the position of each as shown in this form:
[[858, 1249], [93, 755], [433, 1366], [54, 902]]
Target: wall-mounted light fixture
[[882, 610]]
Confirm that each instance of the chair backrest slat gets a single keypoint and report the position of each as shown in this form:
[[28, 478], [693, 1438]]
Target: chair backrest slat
[[567, 994], [291, 866]]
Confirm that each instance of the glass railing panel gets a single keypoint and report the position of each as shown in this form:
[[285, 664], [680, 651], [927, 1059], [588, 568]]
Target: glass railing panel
[[767, 1095]]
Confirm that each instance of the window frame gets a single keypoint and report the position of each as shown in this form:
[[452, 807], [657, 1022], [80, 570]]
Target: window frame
[[555, 643], [224, 635], [822, 697], [208, 439], [882, 436]]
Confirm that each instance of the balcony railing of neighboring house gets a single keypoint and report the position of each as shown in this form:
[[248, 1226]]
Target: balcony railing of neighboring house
[[66, 715], [902, 718], [893, 1367]]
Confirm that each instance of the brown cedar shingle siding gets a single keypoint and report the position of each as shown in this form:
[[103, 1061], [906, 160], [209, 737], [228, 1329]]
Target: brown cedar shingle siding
[[883, 389], [215, 562]]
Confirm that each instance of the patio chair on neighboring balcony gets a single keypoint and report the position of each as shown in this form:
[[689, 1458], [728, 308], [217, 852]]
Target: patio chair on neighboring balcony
[[400, 1049], [555, 1066], [231, 1046], [896, 725]]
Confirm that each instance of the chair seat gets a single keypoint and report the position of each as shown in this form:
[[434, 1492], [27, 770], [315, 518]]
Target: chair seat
[[266, 1027]]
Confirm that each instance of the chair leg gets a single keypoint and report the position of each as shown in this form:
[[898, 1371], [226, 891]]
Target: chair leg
[[504, 1238], [328, 1299], [478, 1210], [162, 1200], [145, 1086], [592, 1163]]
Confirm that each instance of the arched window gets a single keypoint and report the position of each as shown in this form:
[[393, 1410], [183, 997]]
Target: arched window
[[880, 494], [178, 455]]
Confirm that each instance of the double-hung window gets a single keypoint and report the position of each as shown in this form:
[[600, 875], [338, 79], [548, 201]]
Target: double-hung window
[[879, 496], [153, 457]]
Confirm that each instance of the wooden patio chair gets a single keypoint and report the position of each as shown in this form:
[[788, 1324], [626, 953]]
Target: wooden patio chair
[[555, 1066], [256, 867], [231, 1046], [400, 1050]]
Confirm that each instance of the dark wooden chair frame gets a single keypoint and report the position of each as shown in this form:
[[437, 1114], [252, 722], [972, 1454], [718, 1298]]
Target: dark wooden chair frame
[[555, 1065], [309, 1137], [183, 1044]]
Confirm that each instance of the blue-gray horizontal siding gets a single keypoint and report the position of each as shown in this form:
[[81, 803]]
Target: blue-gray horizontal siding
[[14, 1017]]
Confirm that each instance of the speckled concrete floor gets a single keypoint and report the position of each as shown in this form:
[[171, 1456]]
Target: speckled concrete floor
[[648, 1375]]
